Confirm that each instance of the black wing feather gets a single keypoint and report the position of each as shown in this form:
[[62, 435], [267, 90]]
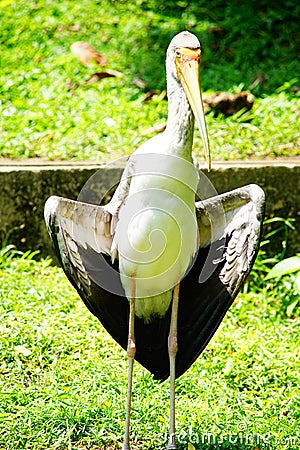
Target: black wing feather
[[202, 304]]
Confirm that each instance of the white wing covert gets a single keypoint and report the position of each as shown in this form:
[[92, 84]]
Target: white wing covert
[[235, 216]]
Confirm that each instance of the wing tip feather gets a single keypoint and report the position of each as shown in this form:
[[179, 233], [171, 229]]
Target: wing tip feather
[[50, 209]]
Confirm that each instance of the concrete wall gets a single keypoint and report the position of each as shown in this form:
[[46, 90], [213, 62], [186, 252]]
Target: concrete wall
[[24, 190]]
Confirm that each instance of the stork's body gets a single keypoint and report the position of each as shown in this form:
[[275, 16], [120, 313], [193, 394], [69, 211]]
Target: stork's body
[[157, 232], [156, 235], [156, 238], [163, 241]]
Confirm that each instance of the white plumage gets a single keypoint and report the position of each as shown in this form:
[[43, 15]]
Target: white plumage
[[160, 239]]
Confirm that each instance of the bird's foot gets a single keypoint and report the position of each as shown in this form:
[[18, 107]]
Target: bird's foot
[[171, 446], [126, 447]]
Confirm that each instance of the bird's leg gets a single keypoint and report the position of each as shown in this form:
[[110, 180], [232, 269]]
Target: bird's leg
[[131, 354], [172, 346]]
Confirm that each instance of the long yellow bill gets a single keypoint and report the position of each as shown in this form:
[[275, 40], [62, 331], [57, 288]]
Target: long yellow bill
[[188, 71]]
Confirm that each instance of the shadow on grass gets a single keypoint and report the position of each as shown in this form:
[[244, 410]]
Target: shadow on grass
[[253, 44]]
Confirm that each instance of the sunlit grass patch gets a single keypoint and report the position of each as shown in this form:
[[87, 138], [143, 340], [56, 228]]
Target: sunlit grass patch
[[48, 112], [63, 379]]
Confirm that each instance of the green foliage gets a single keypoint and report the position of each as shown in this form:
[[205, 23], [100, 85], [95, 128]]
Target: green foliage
[[63, 379], [284, 267], [48, 112], [277, 276], [291, 267]]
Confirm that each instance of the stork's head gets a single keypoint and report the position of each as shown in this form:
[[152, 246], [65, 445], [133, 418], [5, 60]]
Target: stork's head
[[183, 62]]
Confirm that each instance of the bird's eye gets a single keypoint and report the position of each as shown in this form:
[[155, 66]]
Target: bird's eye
[[178, 54]]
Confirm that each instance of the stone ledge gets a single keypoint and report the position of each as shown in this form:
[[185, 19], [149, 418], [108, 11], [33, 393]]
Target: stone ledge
[[25, 188]]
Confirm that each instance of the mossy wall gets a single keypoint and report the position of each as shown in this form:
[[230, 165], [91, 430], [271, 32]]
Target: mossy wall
[[24, 191]]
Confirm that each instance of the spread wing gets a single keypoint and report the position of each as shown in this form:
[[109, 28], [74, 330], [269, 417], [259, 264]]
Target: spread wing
[[235, 216], [230, 228]]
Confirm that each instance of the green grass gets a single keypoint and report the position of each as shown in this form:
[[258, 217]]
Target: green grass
[[63, 379], [246, 46]]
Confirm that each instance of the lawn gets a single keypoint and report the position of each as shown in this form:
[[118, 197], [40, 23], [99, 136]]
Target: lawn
[[48, 112], [63, 379]]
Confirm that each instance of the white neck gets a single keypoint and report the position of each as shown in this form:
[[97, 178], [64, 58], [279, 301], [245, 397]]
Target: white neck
[[180, 123]]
